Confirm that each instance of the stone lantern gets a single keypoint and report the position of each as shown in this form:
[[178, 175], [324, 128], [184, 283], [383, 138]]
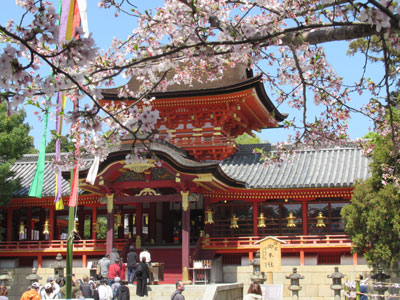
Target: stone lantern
[[257, 276], [336, 285], [380, 279], [34, 277], [295, 283], [58, 266], [5, 279]]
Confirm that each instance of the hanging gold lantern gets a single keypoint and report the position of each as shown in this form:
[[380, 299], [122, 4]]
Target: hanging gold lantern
[[76, 225], [291, 219], [261, 221], [118, 219], [146, 219], [209, 216], [133, 219], [96, 227], [234, 221], [21, 228], [320, 220], [46, 229]]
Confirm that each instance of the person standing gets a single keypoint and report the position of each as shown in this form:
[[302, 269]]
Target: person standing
[[114, 271], [105, 291], [145, 253], [131, 264], [177, 295], [122, 269], [123, 292], [254, 292], [114, 255], [104, 264], [142, 274], [32, 293], [86, 288]]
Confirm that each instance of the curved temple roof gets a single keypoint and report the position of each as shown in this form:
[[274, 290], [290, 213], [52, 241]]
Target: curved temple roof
[[327, 167]]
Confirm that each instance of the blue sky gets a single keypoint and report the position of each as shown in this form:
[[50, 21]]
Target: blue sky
[[105, 26]]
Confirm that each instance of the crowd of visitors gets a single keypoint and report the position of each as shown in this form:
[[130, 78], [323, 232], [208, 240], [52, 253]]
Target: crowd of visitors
[[109, 283]]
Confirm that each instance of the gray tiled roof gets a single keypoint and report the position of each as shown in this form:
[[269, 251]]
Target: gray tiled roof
[[328, 167], [25, 170]]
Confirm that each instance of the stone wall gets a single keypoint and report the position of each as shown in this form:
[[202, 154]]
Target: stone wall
[[315, 285], [232, 291]]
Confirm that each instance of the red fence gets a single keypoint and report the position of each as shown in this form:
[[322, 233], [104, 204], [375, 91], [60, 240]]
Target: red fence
[[308, 241], [58, 245]]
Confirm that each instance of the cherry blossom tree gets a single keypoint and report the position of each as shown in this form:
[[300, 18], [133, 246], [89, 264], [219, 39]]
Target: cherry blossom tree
[[196, 40]]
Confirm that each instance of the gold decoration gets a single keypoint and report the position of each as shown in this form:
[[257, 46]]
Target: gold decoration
[[178, 177], [133, 219], [209, 216], [21, 228], [148, 192], [261, 221], [320, 220], [140, 167], [138, 242], [291, 219], [46, 229], [110, 202], [96, 227], [234, 221], [118, 218], [146, 219], [185, 200], [76, 225]]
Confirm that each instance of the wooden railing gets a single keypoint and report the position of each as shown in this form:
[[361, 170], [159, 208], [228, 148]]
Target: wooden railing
[[290, 241], [58, 245]]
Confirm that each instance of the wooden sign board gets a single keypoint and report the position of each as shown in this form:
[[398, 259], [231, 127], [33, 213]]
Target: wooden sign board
[[270, 254]]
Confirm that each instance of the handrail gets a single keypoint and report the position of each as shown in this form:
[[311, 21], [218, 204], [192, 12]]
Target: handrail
[[58, 245], [290, 241]]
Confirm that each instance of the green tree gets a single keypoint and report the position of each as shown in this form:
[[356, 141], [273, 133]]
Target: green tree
[[372, 220], [66, 144], [246, 139], [14, 142]]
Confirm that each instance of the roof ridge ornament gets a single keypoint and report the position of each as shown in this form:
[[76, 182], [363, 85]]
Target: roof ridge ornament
[[141, 166]]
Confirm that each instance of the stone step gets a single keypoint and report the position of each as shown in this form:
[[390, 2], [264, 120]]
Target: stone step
[[163, 292]]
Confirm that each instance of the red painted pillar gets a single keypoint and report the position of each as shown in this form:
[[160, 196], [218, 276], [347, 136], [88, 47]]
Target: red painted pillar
[[110, 232], [255, 218], [301, 258], [51, 223], [40, 260], [9, 224], [139, 218], [355, 261], [84, 260], [81, 223], [94, 222], [185, 235], [29, 224], [152, 221], [304, 216]]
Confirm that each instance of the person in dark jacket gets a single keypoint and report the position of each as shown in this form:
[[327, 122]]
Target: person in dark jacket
[[177, 295], [86, 288], [142, 274], [123, 292], [131, 260]]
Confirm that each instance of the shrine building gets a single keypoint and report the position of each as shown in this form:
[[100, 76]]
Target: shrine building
[[199, 196]]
